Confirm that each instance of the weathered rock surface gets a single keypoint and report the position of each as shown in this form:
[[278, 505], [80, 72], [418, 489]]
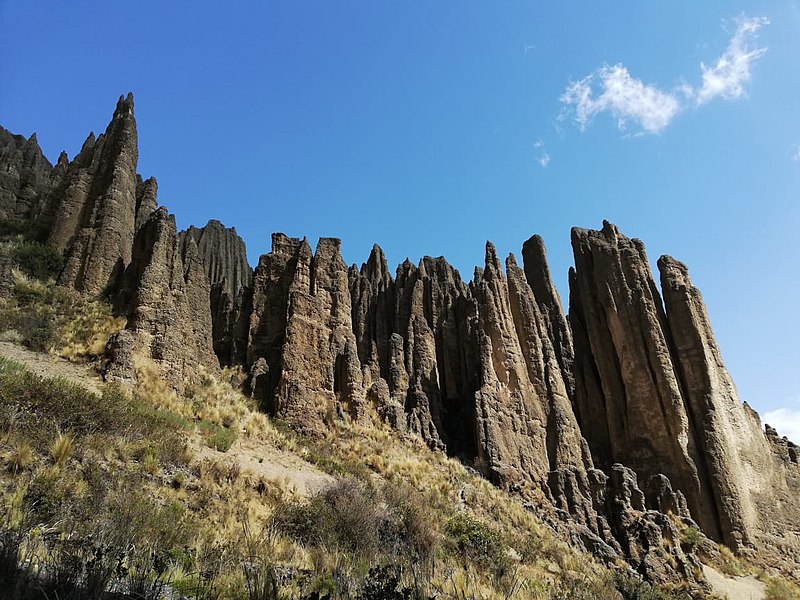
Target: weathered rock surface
[[629, 370], [26, 177], [165, 296], [95, 218], [548, 301], [224, 258], [653, 393], [302, 341]]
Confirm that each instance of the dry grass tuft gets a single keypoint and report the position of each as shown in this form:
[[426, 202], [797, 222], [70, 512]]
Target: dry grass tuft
[[61, 448]]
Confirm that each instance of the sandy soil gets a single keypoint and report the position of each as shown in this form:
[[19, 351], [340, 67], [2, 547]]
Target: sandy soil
[[47, 365], [272, 464], [734, 588]]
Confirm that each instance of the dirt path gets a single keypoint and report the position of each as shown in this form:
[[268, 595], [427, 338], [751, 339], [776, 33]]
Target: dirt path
[[287, 469], [735, 588], [48, 365]]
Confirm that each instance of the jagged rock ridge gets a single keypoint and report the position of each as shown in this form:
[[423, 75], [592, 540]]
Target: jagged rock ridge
[[574, 412]]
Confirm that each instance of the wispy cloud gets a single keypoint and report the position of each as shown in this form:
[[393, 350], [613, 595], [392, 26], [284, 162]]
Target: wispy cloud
[[543, 156], [613, 90], [786, 421], [731, 72], [625, 97], [796, 153]]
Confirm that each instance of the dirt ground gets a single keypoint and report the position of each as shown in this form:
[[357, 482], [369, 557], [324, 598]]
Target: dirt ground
[[735, 588]]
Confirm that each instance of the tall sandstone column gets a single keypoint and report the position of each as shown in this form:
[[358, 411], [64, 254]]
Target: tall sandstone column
[[653, 393], [95, 219], [629, 370]]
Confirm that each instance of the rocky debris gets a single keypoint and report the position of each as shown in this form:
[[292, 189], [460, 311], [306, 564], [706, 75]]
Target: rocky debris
[[650, 539], [224, 258], [165, 296], [95, 219], [26, 177]]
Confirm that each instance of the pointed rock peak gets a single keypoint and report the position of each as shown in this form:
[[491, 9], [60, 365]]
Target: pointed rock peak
[[304, 249], [610, 230], [376, 267], [511, 261], [533, 250], [406, 267], [422, 268], [283, 244], [63, 159], [492, 262], [89, 142], [124, 107], [33, 139], [667, 263]]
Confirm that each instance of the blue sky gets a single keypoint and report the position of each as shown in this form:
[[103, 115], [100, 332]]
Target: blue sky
[[430, 127]]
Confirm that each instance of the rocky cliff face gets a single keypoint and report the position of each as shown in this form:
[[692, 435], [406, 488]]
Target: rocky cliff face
[[652, 391], [602, 421], [166, 298], [95, 218], [26, 177], [224, 259]]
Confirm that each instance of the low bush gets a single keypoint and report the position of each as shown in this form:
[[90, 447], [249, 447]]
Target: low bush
[[37, 260], [477, 543]]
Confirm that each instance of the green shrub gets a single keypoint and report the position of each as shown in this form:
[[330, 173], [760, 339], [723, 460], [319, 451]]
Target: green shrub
[[37, 260], [633, 588], [476, 542], [217, 437], [690, 538], [23, 229]]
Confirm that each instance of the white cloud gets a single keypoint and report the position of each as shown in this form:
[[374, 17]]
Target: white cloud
[[625, 97], [732, 70], [796, 153], [544, 157], [615, 91], [786, 421], [544, 160]]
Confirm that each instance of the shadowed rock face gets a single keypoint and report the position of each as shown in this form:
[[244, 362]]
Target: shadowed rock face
[[165, 296], [224, 258], [26, 177], [95, 220]]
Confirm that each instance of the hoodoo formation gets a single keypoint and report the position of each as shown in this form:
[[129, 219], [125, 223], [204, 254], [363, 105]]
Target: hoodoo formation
[[603, 419]]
